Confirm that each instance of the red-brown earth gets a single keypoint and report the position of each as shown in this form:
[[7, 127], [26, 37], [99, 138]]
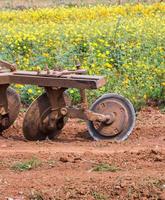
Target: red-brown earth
[[70, 167]]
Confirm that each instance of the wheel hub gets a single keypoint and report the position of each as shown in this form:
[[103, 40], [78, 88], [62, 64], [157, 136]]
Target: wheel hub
[[51, 120], [120, 117]]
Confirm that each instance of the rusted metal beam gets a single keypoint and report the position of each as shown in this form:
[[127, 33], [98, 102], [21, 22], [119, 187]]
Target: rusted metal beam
[[75, 81], [4, 78]]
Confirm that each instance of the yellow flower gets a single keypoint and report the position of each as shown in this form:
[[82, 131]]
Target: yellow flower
[[103, 55], [46, 55], [163, 84], [19, 86], [30, 91], [107, 52], [145, 96], [126, 81], [71, 91], [108, 65], [38, 68], [38, 91], [133, 98]]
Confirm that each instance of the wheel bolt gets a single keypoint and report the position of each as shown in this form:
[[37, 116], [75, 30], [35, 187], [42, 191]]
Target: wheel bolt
[[64, 111]]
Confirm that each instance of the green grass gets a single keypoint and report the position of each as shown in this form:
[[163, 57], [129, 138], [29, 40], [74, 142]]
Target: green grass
[[26, 165], [99, 196], [162, 108], [105, 168]]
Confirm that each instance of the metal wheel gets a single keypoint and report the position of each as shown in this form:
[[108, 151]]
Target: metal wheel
[[35, 125], [124, 118], [13, 106]]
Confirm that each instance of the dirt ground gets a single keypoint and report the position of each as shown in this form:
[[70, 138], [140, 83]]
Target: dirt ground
[[70, 167]]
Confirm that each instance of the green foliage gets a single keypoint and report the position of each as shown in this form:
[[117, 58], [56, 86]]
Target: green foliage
[[123, 43], [105, 168], [98, 196], [26, 165], [28, 93]]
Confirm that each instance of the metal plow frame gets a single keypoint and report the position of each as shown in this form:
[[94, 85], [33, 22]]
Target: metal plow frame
[[55, 83]]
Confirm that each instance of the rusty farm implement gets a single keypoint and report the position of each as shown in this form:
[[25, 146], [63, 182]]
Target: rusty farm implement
[[111, 117]]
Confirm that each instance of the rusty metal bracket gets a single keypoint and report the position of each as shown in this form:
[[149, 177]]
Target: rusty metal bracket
[[87, 115], [68, 72], [57, 101], [93, 116], [7, 65], [84, 113], [56, 97], [84, 101]]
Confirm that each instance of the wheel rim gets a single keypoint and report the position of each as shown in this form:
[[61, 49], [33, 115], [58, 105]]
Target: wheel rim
[[120, 117], [36, 122], [14, 107], [124, 118]]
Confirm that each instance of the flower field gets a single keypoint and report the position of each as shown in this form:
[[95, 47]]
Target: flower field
[[124, 43]]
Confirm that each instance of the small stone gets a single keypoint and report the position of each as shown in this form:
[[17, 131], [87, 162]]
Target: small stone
[[81, 192], [64, 159], [76, 159], [20, 192], [154, 151], [117, 187], [3, 146], [123, 184], [158, 159]]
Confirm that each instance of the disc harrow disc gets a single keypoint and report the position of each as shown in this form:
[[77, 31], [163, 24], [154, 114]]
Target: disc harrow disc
[[13, 106], [35, 126], [124, 118]]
